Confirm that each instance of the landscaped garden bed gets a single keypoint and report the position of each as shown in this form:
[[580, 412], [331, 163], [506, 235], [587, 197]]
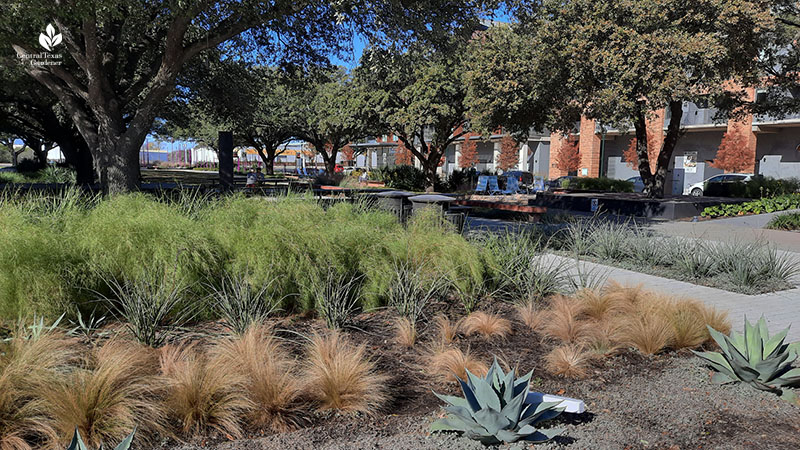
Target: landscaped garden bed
[[258, 323]]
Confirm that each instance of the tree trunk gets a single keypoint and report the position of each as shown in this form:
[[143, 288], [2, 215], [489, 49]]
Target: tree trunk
[[268, 158], [77, 155], [119, 163], [670, 141], [330, 160], [642, 158]]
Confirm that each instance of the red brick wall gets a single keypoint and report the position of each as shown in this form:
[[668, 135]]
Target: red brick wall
[[589, 149], [557, 141]]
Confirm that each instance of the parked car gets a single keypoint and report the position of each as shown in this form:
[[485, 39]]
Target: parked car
[[638, 184], [558, 183], [696, 190]]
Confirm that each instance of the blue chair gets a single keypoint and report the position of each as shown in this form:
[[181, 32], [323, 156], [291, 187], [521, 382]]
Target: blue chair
[[493, 187], [512, 186], [538, 184], [483, 184]]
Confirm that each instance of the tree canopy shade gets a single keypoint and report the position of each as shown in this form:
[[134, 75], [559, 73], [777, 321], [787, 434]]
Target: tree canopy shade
[[779, 62], [331, 113], [619, 61], [257, 103], [121, 58], [419, 95]]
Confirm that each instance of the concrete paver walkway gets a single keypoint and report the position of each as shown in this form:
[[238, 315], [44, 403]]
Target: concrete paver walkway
[[747, 228]]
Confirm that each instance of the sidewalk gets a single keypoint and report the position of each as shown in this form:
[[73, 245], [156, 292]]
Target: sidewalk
[[748, 228], [781, 309]]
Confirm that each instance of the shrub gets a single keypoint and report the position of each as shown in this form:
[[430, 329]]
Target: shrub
[[26, 366], [338, 298], [202, 393], [602, 184], [152, 307], [763, 205], [451, 364], [530, 315], [241, 304], [570, 361], [13, 178], [270, 379], [446, 330], [755, 358], [405, 332], [404, 177], [110, 393], [488, 325], [495, 410], [787, 222], [338, 375], [759, 186]]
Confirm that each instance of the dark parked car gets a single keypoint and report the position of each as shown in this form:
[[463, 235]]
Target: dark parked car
[[638, 184]]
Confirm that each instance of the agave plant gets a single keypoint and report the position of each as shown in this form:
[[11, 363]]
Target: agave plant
[[494, 410], [754, 358], [78, 444]]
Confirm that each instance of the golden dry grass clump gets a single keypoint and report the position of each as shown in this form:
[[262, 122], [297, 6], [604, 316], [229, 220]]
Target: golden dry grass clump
[[203, 394], [530, 315], [112, 391], [597, 305], [405, 332], [445, 329], [647, 329], [685, 316], [562, 320], [26, 366], [269, 376], [339, 375], [450, 363], [488, 325], [570, 361]]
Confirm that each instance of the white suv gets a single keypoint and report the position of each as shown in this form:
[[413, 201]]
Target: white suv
[[696, 190]]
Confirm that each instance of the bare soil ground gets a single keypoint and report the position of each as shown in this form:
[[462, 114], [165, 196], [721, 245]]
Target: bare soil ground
[[633, 401]]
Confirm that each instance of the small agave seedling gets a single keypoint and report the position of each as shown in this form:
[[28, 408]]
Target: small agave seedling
[[755, 358], [78, 444], [494, 411]]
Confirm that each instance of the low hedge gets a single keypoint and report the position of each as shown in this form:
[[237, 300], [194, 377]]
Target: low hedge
[[760, 206], [786, 222], [600, 184]]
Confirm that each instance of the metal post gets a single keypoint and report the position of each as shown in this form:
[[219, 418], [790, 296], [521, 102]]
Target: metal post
[[226, 160]]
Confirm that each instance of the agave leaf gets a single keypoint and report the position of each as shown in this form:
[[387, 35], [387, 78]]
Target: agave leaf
[[755, 346], [790, 378], [469, 395], [775, 342], [737, 340], [522, 383], [449, 424], [508, 436], [539, 436], [513, 409], [719, 338], [490, 375], [717, 360], [487, 396], [508, 388], [453, 400], [126, 443], [77, 442], [544, 411], [492, 420], [771, 368], [721, 378], [462, 413]]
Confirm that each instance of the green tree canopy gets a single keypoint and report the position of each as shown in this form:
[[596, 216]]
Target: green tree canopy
[[419, 95]]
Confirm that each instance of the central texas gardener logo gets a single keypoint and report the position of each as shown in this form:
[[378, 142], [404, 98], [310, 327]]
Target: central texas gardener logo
[[49, 38]]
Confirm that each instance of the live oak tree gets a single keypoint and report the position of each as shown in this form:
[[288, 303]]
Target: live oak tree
[[628, 58], [779, 61], [121, 58], [34, 116], [419, 95]]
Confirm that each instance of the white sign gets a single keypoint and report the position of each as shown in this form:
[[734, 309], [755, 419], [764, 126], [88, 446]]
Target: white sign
[[690, 162]]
